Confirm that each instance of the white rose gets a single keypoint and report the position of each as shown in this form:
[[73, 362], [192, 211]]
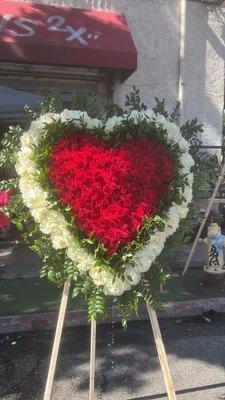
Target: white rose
[[78, 117], [26, 183], [173, 131], [150, 113], [36, 128], [28, 139], [48, 118], [100, 276], [158, 238], [35, 198], [117, 287], [160, 119], [25, 169], [92, 123], [27, 150], [187, 194], [112, 123], [187, 162], [132, 275], [60, 239], [190, 179], [153, 250], [182, 210], [85, 261], [55, 223], [39, 214], [136, 116], [142, 262], [183, 145], [25, 166]]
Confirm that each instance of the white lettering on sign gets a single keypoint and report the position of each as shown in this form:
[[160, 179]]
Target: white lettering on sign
[[55, 23], [23, 23], [4, 21]]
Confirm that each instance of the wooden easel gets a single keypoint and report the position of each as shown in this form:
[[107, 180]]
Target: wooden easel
[[212, 201], [157, 337]]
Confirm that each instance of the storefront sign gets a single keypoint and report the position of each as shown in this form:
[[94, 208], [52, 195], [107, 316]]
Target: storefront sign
[[27, 27], [42, 34]]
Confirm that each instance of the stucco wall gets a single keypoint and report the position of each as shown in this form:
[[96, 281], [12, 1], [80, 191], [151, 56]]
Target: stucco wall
[[155, 28]]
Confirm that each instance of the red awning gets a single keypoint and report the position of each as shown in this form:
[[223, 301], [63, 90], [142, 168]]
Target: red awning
[[41, 34]]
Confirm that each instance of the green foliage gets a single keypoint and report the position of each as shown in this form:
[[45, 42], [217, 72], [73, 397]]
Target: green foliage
[[133, 101], [56, 266], [9, 146], [88, 103]]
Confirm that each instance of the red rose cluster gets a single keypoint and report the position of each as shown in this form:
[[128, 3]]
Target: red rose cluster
[[110, 189]]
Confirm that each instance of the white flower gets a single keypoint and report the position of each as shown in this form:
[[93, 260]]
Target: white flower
[[187, 162], [39, 214], [36, 128], [112, 123], [28, 139], [116, 288], [100, 276], [48, 118], [150, 113], [136, 116], [173, 131], [35, 197], [26, 170], [132, 275], [60, 239], [187, 194], [182, 210], [160, 120], [183, 145], [142, 262], [85, 263], [92, 123], [78, 117], [190, 179], [55, 223]]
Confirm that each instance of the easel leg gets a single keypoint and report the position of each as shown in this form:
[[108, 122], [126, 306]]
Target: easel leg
[[161, 352], [57, 339], [92, 360]]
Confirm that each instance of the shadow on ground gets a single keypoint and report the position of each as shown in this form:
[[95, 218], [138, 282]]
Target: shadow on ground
[[127, 365]]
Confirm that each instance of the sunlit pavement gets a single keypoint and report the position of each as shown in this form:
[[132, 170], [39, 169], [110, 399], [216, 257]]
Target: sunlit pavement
[[127, 364]]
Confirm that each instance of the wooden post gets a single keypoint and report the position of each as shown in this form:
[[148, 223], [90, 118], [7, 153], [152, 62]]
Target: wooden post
[[211, 201], [92, 360], [57, 339], [161, 352]]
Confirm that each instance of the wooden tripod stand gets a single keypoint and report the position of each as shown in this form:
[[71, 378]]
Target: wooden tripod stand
[[157, 337]]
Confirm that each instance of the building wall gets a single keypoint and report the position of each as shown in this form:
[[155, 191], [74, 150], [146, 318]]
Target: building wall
[[155, 28]]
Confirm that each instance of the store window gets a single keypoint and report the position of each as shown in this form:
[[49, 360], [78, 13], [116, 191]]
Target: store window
[[22, 85]]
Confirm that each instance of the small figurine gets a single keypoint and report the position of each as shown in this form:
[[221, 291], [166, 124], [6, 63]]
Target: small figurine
[[216, 243]]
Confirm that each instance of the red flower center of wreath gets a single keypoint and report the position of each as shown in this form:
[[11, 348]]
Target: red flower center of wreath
[[110, 189]]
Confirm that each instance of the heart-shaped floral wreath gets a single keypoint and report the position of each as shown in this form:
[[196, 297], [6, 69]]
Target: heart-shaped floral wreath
[[106, 194]]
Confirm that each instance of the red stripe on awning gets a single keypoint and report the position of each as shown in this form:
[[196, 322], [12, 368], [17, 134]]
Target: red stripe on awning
[[41, 34]]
